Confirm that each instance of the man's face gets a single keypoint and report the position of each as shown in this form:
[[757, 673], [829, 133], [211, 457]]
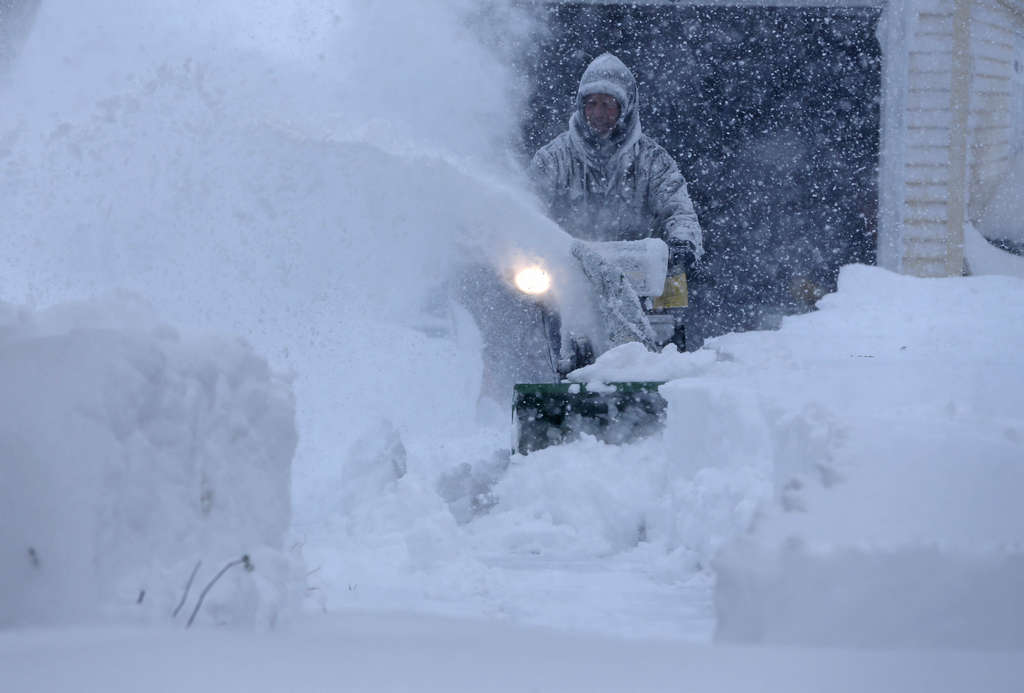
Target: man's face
[[602, 112]]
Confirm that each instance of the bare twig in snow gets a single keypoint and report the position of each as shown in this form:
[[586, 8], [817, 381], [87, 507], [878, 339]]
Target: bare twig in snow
[[244, 560], [188, 586]]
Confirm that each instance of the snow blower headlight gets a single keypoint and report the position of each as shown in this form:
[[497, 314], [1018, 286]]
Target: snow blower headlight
[[533, 280]]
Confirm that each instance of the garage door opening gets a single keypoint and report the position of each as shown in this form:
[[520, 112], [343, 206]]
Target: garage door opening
[[773, 117]]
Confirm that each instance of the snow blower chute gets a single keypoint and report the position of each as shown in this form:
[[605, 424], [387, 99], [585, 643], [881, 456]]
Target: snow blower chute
[[636, 301]]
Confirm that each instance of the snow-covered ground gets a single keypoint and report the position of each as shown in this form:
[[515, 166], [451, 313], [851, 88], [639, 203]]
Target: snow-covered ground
[[850, 480], [405, 652]]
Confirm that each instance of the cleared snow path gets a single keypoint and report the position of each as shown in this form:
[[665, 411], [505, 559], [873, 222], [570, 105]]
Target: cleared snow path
[[586, 537], [616, 596]]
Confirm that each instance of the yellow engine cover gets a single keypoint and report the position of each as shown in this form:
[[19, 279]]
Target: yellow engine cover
[[675, 294]]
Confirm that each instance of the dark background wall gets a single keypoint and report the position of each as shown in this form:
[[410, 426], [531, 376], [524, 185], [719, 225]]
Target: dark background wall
[[773, 117]]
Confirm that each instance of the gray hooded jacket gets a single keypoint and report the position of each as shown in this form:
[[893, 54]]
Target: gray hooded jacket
[[621, 187]]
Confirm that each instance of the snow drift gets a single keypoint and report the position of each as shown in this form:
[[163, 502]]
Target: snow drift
[[984, 257], [1003, 216], [130, 453], [901, 525]]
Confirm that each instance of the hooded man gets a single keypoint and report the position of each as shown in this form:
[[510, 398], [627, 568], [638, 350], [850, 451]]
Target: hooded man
[[604, 180]]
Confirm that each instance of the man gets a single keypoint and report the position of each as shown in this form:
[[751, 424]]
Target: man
[[604, 180]]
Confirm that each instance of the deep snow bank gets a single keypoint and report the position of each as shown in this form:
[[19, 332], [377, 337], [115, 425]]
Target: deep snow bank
[[904, 527], [128, 454]]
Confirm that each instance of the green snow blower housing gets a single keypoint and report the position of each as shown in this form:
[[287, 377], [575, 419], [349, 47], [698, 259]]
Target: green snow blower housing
[[546, 414]]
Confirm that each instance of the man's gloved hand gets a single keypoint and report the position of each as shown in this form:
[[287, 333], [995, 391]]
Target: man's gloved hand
[[681, 257]]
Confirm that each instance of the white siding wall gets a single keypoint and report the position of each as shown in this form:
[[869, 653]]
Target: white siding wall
[[928, 166], [958, 126], [995, 44], [1017, 110]]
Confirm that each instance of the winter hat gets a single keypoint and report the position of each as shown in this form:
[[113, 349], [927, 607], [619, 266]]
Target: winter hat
[[606, 75], [609, 75]]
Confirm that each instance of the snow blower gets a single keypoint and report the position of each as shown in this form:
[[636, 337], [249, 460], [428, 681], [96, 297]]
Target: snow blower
[[635, 300]]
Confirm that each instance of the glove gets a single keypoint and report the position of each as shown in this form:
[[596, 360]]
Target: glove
[[681, 257]]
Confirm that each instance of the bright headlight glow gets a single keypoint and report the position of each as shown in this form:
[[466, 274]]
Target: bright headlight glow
[[533, 280]]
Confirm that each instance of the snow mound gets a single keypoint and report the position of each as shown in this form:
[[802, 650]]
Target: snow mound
[[1003, 216], [903, 528], [985, 258], [130, 454], [633, 362]]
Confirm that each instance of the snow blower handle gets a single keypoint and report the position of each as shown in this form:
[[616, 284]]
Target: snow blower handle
[[682, 256], [643, 262]]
